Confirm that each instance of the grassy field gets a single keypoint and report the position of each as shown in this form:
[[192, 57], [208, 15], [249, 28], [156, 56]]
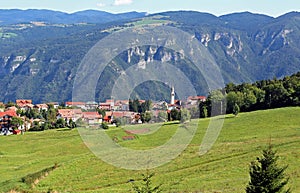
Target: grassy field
[[223, 169]]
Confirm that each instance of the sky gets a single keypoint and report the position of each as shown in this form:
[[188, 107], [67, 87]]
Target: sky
[[217, 7]]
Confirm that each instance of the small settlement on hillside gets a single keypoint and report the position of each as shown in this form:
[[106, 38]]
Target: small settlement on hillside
[[87, 112]]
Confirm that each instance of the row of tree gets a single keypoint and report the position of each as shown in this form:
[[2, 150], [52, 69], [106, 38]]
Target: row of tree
[[138, 106], [265, 94], [47, 119]]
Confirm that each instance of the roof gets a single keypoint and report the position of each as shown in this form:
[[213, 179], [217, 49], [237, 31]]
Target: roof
[[11, 113], [40, 106], [104, 105], [65, 113], [110, 101], [68, 113], [91, 115], [23, 102], [118, 114], [196, 98], [77, 111], [123, 102], [74, 103]]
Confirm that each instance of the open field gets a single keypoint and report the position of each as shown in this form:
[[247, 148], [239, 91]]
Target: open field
[[223, 169]]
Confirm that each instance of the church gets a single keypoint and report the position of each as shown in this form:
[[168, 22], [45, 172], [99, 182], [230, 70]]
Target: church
[[174, 104]]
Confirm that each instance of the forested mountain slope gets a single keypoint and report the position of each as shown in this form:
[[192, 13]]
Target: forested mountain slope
[[39, 55]]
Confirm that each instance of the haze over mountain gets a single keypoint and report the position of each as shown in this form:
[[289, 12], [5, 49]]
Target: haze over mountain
[[16, 16], [41, 49]]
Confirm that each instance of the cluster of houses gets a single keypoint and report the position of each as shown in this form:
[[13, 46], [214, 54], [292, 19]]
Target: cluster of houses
[[86, 111]]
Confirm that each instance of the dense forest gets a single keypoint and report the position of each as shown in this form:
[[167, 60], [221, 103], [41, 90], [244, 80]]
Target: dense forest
[[264, 94]]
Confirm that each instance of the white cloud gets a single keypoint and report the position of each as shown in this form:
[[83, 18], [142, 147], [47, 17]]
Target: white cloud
[[122, 2], [101, 5]]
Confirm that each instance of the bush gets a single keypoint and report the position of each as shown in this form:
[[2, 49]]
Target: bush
[[185, 115], [104, 125]]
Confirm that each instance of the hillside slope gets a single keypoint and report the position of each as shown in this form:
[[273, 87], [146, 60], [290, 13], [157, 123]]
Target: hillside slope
[[225, 168]]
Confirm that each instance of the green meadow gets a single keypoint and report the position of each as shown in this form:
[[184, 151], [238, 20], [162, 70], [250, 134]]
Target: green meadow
[[224, 169]]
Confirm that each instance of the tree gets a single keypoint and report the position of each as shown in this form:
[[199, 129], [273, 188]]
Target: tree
[[16, 121], [185, 115], [104, 125], [249, 99], [71, 124], [46, 126], [162, 116], [101, 112], [266, 176], [51, 115], [203, 110], [233, 98], [146, 186], [134, 105], [175, 115], [146, 117], [236, 109], [145, 106], [195, 112], [10, 104], [60, 123], [217, 102]]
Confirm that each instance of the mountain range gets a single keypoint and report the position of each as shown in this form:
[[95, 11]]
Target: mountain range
[[42, 49], [17, 16]]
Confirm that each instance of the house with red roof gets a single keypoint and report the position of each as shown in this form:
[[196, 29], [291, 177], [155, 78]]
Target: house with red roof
[[91, 105], [108, 105], [68, 114], [92, 117], [105, 106], [5, 121], [121, 105], [41, 107], [24, 104], [193, 100]]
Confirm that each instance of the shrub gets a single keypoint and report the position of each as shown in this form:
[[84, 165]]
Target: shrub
[[104, 125]]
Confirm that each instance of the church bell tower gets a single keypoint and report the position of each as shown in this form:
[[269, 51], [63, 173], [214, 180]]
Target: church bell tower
[[172, 96]]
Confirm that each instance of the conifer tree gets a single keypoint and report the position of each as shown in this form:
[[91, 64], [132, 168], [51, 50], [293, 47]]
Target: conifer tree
[[265, 174], [146, 186]]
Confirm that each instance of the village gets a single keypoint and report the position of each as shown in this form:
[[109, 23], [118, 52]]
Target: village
[[21, 116]]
